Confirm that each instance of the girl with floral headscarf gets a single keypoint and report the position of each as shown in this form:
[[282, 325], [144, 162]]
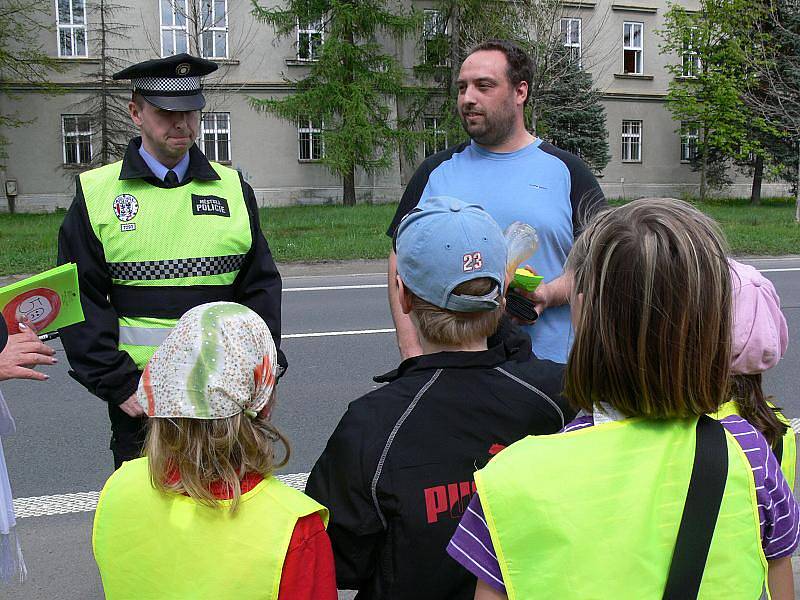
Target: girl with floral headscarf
[[200, 516]]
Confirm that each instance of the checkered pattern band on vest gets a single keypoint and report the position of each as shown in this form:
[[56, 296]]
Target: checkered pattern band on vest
[[163, 86], [175, 269]]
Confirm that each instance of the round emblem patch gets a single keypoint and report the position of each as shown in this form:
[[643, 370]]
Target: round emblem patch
[[125, 207], [183, 69]]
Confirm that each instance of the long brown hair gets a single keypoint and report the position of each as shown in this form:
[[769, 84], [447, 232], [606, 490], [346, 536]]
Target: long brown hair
[[187, 455], [653, 335], [753, 406]]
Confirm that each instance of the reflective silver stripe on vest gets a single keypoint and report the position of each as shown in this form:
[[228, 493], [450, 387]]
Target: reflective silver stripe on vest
[[175, 269], [143, 336]]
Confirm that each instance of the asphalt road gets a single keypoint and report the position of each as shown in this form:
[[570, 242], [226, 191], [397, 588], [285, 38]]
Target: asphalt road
[[335, 337]]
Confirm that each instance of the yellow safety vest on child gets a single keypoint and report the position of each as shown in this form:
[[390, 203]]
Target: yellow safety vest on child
[[789, 454], [155, 546], [594, 513]]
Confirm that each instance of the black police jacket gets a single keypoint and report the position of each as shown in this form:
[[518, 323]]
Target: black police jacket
[[91, 346], [397, 473]]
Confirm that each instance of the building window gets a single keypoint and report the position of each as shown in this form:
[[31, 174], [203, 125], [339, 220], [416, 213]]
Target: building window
[[632, 48], [690, 134], [691, 58], [571, 38], [631, 141], [310, 36], [214, 27], [309, 138], [434, 37], [437, 140], [215, 132], [77, 134], [174, 29], [71, 26]]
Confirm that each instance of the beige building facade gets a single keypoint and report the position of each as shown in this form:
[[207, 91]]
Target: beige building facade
[[618, 43]]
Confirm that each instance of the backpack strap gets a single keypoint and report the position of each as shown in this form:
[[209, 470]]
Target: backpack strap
[[777, 450], [700, 512]]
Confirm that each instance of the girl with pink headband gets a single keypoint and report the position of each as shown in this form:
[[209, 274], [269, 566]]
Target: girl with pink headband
[[760, 338]]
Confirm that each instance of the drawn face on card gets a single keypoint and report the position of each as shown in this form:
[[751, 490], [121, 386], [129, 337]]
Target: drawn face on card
[[40, 307]]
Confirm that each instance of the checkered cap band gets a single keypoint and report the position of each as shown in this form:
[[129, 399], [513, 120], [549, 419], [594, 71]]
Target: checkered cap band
[[175, 269], [166, 85]]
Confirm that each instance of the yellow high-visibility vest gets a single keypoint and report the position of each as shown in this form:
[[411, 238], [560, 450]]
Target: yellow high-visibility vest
[[197, 234], [154, 546], [594, 513], [789, 455]]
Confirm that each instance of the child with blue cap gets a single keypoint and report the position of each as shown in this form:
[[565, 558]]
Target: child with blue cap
[[397, 473]]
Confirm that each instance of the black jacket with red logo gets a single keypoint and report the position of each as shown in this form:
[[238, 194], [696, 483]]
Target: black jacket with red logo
[[397, 473]]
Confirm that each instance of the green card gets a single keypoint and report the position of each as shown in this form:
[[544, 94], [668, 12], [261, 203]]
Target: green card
[[49, 300]]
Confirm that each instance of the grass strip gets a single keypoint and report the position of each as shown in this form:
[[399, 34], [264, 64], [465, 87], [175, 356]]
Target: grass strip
[[331, 232]]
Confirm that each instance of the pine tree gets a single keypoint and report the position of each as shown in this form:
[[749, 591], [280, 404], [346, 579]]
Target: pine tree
[[348, 89], [576, 126]]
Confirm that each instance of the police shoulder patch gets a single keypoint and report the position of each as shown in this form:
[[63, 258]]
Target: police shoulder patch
[[125, 207]]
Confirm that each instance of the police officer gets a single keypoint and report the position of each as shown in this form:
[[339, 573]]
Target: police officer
[[153, 235]]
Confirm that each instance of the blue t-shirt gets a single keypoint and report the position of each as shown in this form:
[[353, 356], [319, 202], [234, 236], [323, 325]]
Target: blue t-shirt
[[552, 190]]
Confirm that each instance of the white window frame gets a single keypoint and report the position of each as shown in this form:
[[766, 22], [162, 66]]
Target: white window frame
[[690, 56], [310, 29], [307, 126], [431, 19], [76, 134], [689, 132], [214, 129], [575, 49], [439, 134], [213, 29], [639, 50], [72, 28], [632, 138], [177, 7]]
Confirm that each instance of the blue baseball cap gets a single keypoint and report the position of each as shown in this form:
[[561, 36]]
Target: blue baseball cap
[[445, 242]]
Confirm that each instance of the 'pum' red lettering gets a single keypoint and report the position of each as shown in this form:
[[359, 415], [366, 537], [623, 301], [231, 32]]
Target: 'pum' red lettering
[[435, 502]]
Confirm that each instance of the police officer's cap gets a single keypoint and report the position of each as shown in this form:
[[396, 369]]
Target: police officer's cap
[[171, 83]]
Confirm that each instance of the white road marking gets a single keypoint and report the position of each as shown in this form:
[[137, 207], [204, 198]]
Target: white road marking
[[62, 504], [327, 288], [334, 275], [779, 270], [335, 333]]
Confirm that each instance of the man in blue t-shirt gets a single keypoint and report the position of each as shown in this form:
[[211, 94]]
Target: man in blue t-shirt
[[514, 176]]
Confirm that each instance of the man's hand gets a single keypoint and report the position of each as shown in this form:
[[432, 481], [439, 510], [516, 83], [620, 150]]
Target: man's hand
[[22, 352], [544, 296], [131, 407]]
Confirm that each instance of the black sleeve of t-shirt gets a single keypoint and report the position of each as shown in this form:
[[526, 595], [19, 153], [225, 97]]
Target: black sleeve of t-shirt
[[416, 185], [585, 194]]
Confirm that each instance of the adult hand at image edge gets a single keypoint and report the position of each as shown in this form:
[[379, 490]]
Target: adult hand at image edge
[[22, 352]]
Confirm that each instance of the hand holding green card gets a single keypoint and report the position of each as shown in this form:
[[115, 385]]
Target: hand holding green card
[[48, 301]]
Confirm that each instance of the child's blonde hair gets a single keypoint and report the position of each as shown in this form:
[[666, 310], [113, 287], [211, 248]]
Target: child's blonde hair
[[652, 337], [450, 328], [187, 455]]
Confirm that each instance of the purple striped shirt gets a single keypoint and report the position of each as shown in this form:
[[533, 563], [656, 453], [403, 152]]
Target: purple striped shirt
[[471, 545]]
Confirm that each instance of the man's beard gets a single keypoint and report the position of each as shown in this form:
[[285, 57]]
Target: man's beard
[[496, 128]]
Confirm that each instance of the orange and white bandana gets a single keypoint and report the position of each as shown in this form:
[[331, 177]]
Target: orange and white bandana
[[218, 361]]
